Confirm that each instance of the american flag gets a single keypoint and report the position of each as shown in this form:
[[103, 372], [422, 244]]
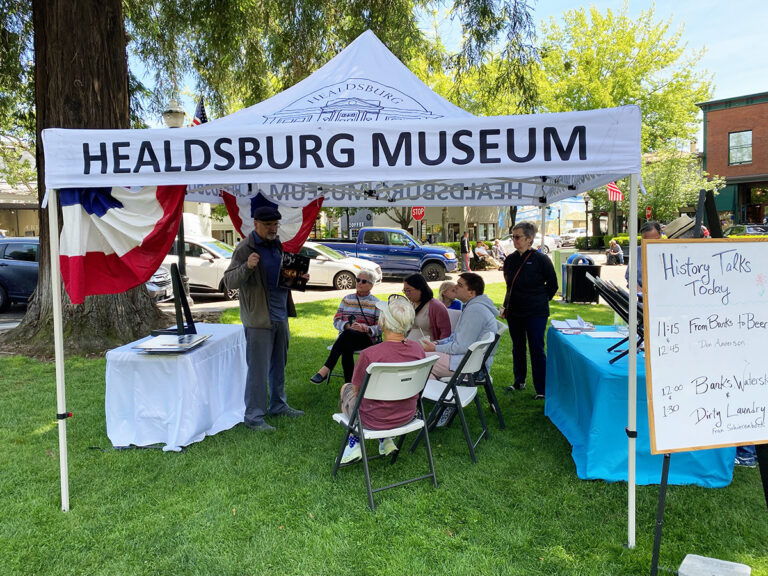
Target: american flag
[[614, 194], [200, 116]]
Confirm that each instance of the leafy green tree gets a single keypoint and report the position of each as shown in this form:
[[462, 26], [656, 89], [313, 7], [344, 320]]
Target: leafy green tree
[[602, 60], [596, 60]]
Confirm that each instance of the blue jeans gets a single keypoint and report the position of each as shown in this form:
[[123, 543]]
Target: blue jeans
[[746, 452], [266, 352], [531, 329]]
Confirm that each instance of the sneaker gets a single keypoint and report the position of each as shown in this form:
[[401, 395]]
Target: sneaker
[[259, 426], [745, 461], [352, 451], [290, 412], [446, 417], [387, 446], [516, 386], [539, 397]]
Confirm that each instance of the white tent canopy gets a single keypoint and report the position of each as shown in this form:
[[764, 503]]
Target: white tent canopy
[[362, 131]]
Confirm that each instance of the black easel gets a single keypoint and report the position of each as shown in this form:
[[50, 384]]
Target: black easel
[[182, 309], [660, 515], [762, 456]]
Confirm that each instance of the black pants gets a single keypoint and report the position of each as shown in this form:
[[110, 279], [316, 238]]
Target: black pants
[[531, 329], [344, 347]]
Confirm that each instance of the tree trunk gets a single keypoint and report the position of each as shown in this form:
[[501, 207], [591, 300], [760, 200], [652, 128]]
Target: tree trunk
[[512, 217], [401, 215], [81, 81]]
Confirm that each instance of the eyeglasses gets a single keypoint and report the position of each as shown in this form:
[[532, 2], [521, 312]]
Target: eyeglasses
[[362, 281], [518, 236], [396, 297]]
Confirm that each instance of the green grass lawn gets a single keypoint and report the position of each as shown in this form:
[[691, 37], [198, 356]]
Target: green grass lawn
[[247, 503]]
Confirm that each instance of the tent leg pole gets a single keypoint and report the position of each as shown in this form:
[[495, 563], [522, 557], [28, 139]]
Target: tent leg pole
[[632, 362], [543, 226], [58, 341]]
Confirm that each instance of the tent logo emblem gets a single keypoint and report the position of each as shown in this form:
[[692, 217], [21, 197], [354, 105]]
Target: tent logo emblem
[[353, 100]]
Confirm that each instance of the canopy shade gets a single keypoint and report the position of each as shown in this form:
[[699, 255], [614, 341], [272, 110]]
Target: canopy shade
[[361, 131]]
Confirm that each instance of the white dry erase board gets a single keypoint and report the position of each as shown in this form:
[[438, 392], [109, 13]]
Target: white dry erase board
[[706, 342]]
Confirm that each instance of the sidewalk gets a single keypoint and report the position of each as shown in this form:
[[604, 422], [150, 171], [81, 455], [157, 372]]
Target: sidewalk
[[206, 303], [213, 303]]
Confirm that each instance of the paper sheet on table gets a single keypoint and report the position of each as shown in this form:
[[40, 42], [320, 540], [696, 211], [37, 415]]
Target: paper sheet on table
[[616, 335], [570, 324]]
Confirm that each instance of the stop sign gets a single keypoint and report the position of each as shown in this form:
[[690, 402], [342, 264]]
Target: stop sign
[[417, 212], [647, 212]]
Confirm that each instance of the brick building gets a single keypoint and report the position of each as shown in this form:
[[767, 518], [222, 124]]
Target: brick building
[[736, 148]]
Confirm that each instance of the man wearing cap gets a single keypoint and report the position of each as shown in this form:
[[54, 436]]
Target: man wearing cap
[[264, 311]]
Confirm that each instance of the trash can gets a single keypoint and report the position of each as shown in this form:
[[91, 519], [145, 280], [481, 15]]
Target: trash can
[[576, 287], [559, 257]]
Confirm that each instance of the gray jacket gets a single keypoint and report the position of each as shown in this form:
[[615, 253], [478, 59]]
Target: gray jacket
[[477, 319], [253, 286]]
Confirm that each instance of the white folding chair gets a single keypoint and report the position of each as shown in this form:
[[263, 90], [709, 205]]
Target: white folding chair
[[389, 382], [444, 394], [483, 376]]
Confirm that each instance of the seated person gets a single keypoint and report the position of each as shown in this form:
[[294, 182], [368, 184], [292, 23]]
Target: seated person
[[481, 251], [357, 322], [395, 320], [614, 254], [447, 294], [498, 251], [432, 319], [478, 317]]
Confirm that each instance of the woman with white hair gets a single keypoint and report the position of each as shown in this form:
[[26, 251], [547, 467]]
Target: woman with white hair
[[395, 318]]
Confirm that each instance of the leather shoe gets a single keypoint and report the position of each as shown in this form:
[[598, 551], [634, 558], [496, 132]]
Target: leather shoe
[[317, 378], [259, 426], [290, 413]]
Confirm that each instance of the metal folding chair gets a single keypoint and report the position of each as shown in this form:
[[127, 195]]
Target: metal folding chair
[[453, 394], [389, 382]]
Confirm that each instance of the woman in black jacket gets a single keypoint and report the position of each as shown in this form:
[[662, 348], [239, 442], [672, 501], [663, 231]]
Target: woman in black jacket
[[531, 284]]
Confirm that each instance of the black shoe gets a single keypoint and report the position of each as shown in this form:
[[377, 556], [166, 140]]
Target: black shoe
[[317, 378], [290, 413], [259, 426], [539, 397], [516, 386]]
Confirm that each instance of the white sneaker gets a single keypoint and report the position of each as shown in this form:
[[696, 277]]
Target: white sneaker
[[387, 446], [352, 451]]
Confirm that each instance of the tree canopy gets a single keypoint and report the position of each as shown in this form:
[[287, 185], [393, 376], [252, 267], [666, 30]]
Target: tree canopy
[[595, 60]]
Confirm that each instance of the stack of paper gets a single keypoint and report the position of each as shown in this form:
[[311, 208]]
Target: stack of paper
[[571, 326]]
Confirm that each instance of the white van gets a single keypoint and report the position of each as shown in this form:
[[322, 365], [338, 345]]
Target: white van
[[569, 236]]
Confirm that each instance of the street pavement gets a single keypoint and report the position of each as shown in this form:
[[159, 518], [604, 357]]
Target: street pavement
[[211, 303]]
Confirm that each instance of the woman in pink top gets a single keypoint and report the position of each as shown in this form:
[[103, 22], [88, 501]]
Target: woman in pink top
[[396, 318], [432, 320]]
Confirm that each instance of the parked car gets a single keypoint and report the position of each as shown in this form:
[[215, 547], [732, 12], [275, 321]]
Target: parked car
[[327, 267], [550, 243], [18, 270], [19, 260], [569, 236], [206, 260], [397, 253], [746, 230]]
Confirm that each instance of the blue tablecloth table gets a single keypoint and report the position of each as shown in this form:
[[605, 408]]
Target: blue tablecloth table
[[587, 401]]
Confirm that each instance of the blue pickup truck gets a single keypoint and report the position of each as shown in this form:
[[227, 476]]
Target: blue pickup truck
[[397, 253]]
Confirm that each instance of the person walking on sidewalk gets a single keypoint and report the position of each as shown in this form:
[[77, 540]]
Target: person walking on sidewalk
[[264, 311], [465, 252]]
